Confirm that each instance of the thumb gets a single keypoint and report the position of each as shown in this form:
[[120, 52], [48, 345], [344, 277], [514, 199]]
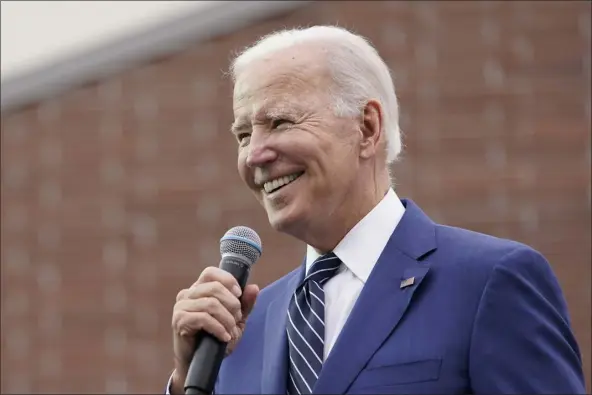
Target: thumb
[[248, 299]]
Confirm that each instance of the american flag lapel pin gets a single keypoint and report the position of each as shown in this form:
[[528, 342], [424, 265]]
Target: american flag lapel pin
[[407, 282]]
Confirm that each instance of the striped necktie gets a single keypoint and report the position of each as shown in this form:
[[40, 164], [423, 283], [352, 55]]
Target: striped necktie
[[306, 326]]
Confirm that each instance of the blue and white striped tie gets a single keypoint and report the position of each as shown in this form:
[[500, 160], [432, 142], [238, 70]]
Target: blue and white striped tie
[[306, 326]]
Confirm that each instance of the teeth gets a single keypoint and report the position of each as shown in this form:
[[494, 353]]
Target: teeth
[[279, 182]]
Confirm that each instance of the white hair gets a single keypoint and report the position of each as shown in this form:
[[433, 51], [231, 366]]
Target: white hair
[[358, 72]]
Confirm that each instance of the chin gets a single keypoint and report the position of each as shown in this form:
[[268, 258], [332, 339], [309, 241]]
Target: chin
[[284, 220], [279, 222]]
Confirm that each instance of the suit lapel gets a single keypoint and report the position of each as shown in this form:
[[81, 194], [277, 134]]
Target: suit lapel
[[275, 353], [382, 303]]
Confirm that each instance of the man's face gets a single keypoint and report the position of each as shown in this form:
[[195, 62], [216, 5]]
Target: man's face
[[295, 155]]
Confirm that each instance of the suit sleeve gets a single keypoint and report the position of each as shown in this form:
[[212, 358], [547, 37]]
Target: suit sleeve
[[167, 390], [522, 341]]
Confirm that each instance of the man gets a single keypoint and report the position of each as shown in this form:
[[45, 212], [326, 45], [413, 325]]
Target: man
[[386, 301]]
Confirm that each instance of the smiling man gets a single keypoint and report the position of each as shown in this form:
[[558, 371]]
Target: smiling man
[[386, 300]]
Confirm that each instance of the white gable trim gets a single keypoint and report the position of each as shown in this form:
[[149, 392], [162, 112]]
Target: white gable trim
[[166, 39]]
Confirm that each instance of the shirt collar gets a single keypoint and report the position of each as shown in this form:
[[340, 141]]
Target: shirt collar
[[360, 249]]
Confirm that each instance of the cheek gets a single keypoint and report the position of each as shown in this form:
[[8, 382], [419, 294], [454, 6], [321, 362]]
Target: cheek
[[242, 167]]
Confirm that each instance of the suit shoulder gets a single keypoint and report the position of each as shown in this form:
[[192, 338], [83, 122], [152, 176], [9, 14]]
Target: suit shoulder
[[475, 248], [477, 259]]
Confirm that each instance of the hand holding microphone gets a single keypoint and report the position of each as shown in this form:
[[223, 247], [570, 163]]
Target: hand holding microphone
[[209, 317]]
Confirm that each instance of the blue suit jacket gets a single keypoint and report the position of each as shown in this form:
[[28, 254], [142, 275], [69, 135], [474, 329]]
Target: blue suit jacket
[[483, 315]]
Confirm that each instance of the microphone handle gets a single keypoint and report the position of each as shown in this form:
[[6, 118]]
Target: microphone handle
[[210, 351], [195, 391]]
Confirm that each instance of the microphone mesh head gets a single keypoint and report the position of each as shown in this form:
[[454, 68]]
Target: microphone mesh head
[[242, 241]]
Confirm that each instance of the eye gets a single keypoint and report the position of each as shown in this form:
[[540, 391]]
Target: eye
[[242, 137], [276, 123]]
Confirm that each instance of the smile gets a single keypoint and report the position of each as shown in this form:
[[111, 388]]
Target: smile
[[280, 182]]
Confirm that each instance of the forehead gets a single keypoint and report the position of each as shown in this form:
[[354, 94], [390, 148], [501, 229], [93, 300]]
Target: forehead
[[285, 77]]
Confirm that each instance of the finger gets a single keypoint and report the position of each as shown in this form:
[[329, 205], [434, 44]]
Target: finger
[[182, 294], [212, 274], [218, 291], [248, 299], [213, 307], [189, 323]]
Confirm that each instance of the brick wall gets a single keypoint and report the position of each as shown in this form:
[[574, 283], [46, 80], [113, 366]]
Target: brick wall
[[114, 195]]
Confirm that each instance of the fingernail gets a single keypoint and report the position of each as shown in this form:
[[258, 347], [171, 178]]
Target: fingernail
[[237, 291], [227, 337]]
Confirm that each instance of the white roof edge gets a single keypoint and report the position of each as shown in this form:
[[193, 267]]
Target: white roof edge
[[164, 39]]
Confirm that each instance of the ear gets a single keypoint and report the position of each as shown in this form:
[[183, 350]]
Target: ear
[[370, 129]]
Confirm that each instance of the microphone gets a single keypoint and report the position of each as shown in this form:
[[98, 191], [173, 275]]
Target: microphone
[[240, 248]]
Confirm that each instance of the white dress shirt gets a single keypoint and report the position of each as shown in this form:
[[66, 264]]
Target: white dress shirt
[[358, 251]]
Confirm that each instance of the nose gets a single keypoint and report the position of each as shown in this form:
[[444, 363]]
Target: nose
[[259, 151]]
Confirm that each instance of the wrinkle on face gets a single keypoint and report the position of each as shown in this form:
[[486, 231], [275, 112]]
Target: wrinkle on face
[[258, 105]]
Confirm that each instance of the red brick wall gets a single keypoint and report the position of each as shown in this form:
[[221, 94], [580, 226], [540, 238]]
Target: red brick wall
[[114, 195]]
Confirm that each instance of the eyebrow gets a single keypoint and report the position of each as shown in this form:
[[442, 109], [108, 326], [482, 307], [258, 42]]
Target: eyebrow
[[270, 111], [238, 126]]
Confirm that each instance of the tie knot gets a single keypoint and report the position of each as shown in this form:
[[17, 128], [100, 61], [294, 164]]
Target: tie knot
[[323, 268]]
